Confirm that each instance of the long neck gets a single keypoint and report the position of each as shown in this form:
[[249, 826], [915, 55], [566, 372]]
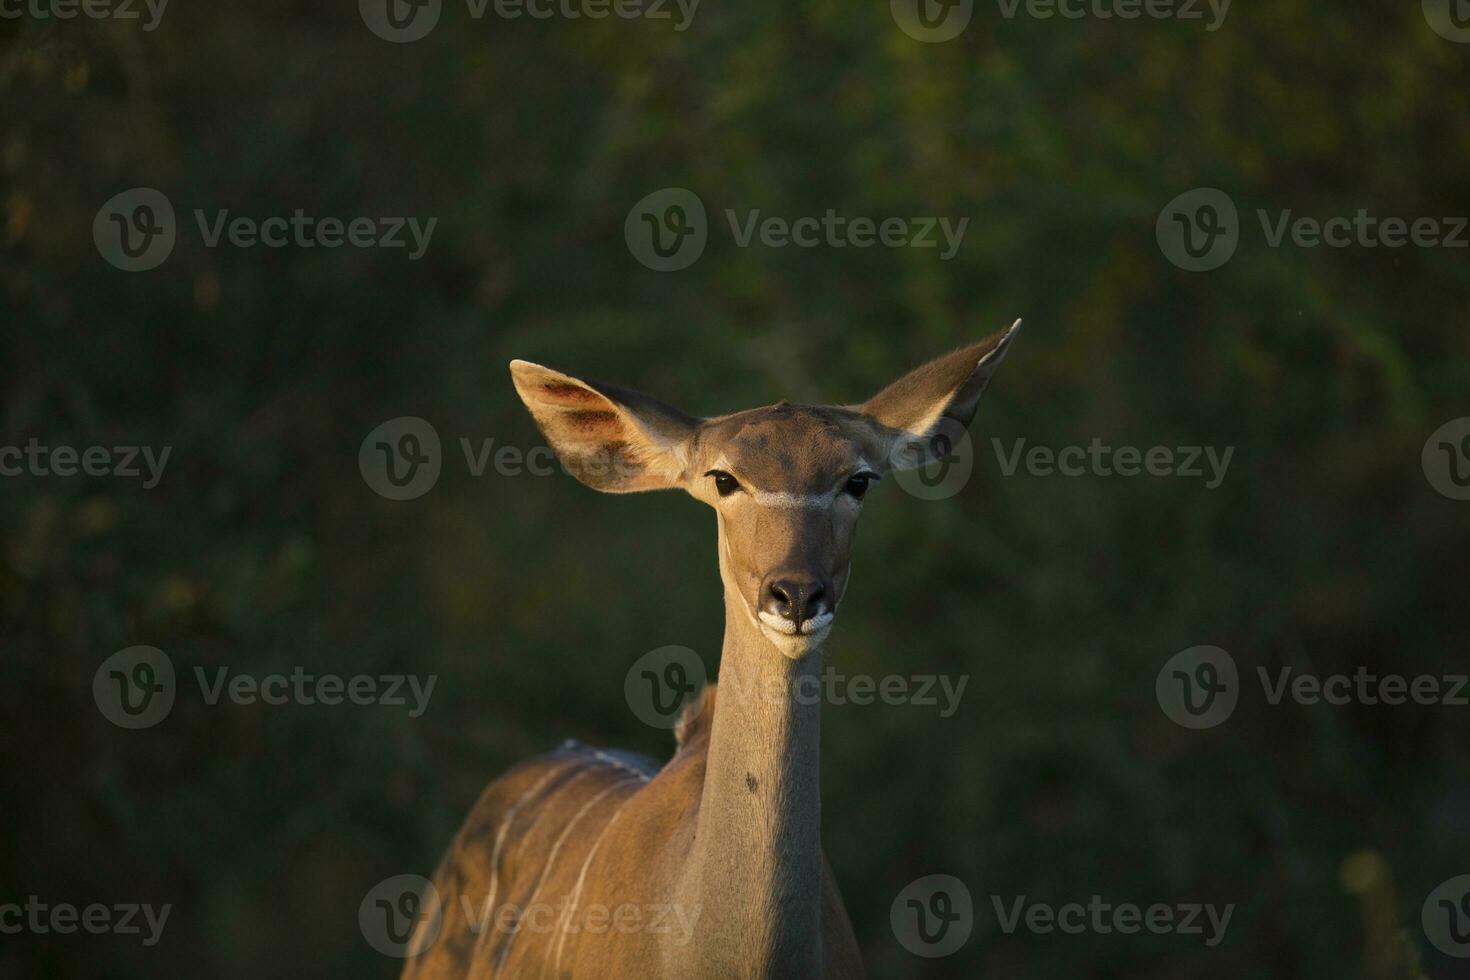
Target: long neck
[[756, 864]]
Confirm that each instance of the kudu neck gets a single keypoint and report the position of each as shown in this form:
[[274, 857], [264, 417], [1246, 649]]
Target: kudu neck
[[757, 864]]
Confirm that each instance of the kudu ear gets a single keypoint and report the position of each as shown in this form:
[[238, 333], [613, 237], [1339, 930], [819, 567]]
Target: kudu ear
[[915, 410], [610, 438]]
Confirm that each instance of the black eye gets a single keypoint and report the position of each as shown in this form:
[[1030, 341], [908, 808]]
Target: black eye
[[858, 485], [725, 484]]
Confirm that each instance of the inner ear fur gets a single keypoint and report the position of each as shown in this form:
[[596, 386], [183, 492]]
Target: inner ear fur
[[612, 439], [917, 407]]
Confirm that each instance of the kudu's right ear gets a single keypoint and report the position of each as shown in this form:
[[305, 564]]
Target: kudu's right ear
[[610, 438], [913, 411]]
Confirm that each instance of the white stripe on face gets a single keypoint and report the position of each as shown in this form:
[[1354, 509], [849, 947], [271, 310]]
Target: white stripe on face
[[782, 498], [814, 501]]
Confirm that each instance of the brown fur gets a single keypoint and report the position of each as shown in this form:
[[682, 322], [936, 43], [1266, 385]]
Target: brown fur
[[696, 719], [729, 828], [580, 799]]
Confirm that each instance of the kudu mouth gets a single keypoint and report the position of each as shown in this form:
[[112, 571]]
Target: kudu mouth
[[796, 645], [793, 631], [794, 607], [807, 627]]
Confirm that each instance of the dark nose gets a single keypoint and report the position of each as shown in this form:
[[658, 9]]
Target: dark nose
[[795, 599]]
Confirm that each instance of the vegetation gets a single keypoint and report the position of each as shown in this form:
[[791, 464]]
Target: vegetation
[[262, 549]]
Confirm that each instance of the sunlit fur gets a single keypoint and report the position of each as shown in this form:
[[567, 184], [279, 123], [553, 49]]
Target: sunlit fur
[[728, 831]]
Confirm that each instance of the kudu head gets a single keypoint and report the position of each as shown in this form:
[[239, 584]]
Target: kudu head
[[786, 482]]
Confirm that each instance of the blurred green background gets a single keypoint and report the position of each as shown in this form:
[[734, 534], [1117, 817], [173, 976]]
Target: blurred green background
[[263, 549]]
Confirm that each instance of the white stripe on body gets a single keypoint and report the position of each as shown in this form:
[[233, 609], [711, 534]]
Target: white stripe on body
[[582, 878]]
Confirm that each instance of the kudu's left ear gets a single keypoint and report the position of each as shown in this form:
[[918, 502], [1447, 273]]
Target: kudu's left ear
[[612, 439], [915, 410]]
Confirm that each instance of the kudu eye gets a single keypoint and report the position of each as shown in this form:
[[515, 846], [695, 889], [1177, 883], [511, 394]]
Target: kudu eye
[[858, 483], [725, 484]]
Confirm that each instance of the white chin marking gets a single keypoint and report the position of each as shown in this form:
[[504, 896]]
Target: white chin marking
[[783, 635], [811, 627]]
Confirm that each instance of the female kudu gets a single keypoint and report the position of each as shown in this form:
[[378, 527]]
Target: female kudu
[[593, 864]]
